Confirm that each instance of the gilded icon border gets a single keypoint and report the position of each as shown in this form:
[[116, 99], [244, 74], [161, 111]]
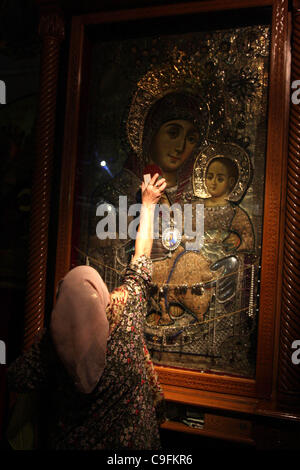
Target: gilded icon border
[[261, 386]]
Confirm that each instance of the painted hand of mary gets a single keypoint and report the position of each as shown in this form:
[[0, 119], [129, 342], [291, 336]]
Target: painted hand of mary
[[226, 284]]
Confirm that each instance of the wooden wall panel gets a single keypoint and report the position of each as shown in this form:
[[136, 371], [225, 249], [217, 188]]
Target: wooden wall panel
[[51, 29], [289, 373]]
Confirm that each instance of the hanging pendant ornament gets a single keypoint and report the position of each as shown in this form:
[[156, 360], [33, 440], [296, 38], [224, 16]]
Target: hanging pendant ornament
[[171, 238]]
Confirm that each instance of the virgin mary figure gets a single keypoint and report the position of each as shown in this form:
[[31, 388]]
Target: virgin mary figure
[[167, 129]]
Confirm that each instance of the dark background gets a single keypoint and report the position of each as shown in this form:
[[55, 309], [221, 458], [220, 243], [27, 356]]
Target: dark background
[[19, 69], [20, 50]]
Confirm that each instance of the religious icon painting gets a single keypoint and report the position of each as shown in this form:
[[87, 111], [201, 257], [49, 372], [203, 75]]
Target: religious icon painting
[[189, 99]]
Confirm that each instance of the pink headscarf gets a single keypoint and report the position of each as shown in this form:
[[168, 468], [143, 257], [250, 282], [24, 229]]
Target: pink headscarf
[[79, 326]]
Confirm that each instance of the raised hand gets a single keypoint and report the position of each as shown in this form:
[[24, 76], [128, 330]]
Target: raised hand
[[152, 192]]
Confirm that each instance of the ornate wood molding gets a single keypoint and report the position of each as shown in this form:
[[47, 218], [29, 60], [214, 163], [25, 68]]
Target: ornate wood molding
[[68, 168], [289, 373], [270, 302], [51, 30]]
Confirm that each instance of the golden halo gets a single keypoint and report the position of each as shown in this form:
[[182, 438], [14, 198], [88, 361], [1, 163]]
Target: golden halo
[[154, 85], [229, 150]]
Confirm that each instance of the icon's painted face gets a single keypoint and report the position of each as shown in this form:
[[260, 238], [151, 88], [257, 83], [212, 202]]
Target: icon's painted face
[[173, 144], [218, 181]]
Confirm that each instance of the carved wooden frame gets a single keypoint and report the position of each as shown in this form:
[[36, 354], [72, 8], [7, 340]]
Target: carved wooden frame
[[179, 384]]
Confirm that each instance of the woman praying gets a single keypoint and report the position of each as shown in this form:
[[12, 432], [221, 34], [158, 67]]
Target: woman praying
[[93, 361]]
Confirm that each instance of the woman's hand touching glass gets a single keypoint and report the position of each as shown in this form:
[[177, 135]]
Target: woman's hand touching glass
[[152, 192]]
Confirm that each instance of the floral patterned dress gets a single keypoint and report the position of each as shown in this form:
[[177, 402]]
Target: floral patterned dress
[[126, 407]]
